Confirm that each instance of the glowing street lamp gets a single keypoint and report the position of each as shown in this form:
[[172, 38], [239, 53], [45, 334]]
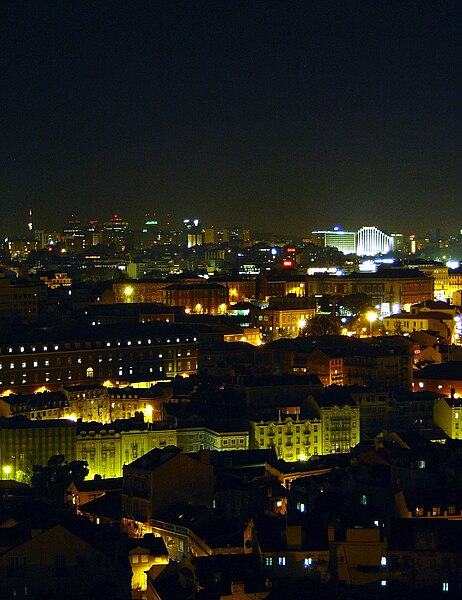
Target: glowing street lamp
[[128, 293], [371, 317], [7, 470]]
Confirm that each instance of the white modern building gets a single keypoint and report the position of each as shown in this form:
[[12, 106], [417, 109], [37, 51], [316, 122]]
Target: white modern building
[[370, 241]]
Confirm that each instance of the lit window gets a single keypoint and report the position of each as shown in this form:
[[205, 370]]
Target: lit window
[[383, 583], [308, 562], [445, 586], [421, 384], [282, 561], [269, 561], [383, 561], [21, 349]]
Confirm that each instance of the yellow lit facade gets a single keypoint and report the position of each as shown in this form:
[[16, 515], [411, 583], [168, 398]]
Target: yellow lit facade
[[293, 439], [194, 439], [447, 414], [279, 323], [332, 429], [107, 450]]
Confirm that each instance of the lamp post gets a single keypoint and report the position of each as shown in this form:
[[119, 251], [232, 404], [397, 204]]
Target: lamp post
[[371, 317]]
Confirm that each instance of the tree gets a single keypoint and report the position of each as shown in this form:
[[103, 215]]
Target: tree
[[356, 304], [323, 325], [51, 482]]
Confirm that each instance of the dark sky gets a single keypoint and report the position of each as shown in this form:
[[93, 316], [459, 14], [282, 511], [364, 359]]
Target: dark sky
[[277, 115]]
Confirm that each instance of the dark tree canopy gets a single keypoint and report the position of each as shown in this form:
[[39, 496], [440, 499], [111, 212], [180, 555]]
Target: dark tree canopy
[[50, 482]]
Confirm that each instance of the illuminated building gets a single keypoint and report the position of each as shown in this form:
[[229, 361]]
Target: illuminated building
[[340, 360], [25, 443], [444, 379], [114, 232], [275, 323], [447, 414], [19, 249], [345, 241], [370, 241], [193, 233], [440, 275], [203, 298], [440, 323], [398, 242], [55, 279], [340, 418], [387, 285], [239, 289], [291, 437], [107, 448], [332, 426], [235, 234], [149, 351], [216, 437]]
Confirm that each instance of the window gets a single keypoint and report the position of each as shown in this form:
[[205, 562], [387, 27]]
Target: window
[[308, 562], [445, 586], [90, 372], [282, 561], [269, 561], [383, 561]]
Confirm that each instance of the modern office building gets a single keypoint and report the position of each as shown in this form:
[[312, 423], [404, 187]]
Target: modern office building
[[370, 241], [345, 241]]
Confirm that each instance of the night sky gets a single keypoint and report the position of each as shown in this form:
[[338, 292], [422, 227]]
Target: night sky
[[280, 116]]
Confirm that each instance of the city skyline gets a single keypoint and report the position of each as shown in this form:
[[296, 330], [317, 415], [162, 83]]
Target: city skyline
[[248, 114]]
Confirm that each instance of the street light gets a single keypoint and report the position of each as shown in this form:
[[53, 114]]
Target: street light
[[128, 293], [371, 317]]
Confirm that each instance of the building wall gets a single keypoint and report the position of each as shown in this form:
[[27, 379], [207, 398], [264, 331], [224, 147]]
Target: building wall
[[57, 564], [26, 367], [448, 416], [292, 439], [22, 447], [340, 427]]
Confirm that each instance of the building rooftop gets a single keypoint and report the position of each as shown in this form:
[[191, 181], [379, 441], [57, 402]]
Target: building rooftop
[[451, 370], [155, 458]]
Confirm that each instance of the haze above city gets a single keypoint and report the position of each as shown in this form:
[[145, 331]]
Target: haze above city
[[276, 116]]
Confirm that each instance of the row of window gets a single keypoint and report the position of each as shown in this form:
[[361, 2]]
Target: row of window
[[282, 562], [77, 345]]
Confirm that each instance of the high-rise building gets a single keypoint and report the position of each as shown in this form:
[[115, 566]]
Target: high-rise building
[[345, 241], [193, 232], [370, 241]]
